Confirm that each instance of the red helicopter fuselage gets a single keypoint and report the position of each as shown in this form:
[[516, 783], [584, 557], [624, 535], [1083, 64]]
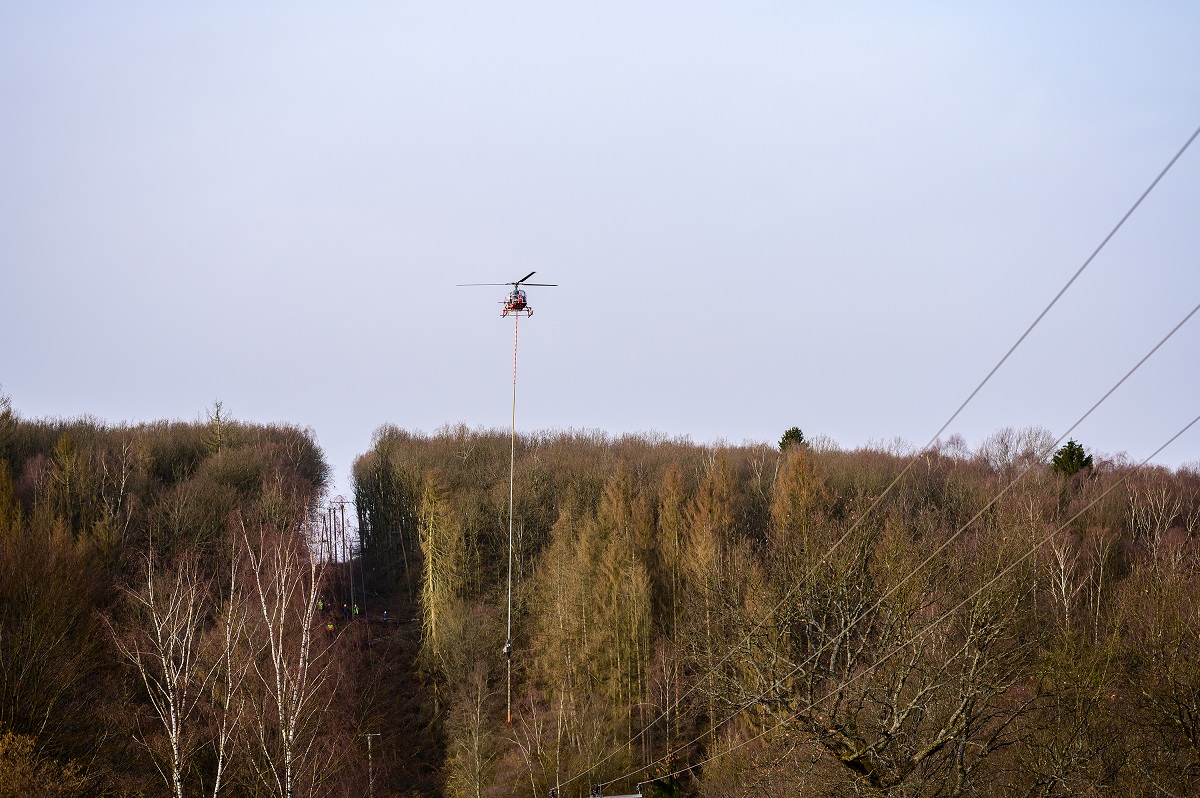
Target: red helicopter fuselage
[[516, 303]]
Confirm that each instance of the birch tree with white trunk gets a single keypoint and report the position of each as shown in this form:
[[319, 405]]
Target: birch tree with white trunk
[[164, 645], [293, 684]]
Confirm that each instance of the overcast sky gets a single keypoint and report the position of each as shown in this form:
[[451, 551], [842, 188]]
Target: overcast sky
[[760, 215]]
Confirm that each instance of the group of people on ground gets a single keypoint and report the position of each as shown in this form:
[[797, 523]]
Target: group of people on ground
[[325, 608]]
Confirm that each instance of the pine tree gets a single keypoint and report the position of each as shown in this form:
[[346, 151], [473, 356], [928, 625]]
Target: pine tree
[[1071, 459], [794, 436]]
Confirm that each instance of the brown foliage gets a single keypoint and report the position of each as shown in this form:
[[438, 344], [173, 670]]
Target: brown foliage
[[674, 594]]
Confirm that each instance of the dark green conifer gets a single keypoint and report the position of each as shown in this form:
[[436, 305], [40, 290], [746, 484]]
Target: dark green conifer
[[793, 436], [1071, 459]]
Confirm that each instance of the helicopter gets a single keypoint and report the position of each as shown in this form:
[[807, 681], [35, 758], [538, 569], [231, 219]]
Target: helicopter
[[516, 302]]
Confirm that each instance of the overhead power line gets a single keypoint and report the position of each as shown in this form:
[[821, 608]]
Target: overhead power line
[[937, 550], [879, 499], [935, 623]]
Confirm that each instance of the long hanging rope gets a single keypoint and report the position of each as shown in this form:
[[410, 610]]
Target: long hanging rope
[[512, 464]]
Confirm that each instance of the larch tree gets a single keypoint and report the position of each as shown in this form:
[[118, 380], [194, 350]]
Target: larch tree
[[623, 599], [443, 577], [672, 529], [709, 529]]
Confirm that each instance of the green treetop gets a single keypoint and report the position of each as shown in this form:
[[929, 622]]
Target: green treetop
[[1071, 459], [793, 435]]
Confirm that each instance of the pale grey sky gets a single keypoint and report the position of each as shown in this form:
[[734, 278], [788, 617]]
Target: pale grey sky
[[836, 216]]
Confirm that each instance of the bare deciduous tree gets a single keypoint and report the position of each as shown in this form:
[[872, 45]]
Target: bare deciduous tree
[[904, 693], [294, 685], [474, 745], [1152, 508], [1067, 581], [164, 646], [228, 672]]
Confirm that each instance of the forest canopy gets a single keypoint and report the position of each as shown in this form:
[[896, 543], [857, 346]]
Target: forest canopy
[[149, 578], [801, 620], [184, 612]]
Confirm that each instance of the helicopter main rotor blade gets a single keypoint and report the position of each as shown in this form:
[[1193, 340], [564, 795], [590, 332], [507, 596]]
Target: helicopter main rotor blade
[[514, 284]]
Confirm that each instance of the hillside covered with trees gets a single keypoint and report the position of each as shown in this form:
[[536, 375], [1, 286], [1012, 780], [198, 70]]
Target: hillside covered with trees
[[181, 613], [796, 620], [165, 628]]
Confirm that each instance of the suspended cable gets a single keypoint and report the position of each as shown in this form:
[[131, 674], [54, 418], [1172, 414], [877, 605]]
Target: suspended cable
[[879, 499], [1063, 290], [934, 624], [516, 303], [937, 550], [512, 466]]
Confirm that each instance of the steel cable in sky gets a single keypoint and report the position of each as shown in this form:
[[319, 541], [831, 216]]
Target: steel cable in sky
[[931, 625], [837, 544], [1029, 467]]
